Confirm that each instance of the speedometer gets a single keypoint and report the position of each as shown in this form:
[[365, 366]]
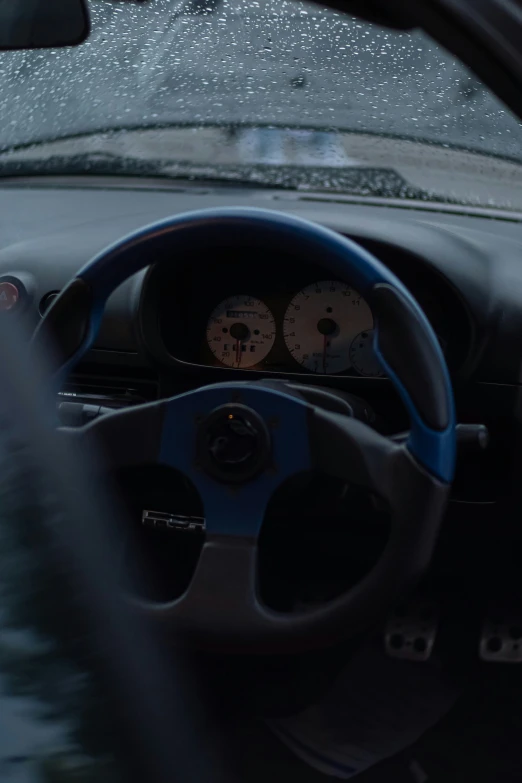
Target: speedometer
[[241, 331], [321, 322]]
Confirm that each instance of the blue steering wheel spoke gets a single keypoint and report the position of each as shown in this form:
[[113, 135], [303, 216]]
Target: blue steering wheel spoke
[[236, 442]]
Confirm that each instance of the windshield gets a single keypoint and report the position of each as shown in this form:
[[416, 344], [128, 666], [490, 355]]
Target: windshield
[[257, 86]]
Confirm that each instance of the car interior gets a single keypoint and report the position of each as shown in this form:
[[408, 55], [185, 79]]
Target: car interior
[[276, 433]]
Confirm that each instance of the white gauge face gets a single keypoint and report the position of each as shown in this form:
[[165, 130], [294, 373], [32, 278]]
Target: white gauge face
[[362, 355], [241, 331], [321, 322]]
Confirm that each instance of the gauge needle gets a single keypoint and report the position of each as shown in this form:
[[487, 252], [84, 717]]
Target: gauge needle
[[238, 352], [325, 344]]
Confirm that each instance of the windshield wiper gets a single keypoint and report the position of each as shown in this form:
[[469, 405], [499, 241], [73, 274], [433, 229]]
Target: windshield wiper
[[354, 180]]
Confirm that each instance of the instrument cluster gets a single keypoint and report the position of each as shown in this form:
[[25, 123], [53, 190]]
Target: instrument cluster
[[243, 311], [327, 327]]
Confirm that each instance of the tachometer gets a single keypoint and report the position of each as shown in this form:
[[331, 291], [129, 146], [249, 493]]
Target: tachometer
[[321, 322], [241, 331]]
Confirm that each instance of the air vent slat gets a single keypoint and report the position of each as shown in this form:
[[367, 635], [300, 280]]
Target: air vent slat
[[85, 397]]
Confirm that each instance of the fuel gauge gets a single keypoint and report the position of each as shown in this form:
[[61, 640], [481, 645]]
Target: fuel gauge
[[362, 355]]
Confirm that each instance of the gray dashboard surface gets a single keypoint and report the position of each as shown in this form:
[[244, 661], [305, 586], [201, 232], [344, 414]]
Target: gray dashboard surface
[[50, 229]]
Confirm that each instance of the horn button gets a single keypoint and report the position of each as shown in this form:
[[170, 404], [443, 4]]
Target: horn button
[[233, 443]]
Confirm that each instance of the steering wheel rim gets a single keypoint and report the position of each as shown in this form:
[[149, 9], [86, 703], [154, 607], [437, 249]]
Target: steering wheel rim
[[413, 478]]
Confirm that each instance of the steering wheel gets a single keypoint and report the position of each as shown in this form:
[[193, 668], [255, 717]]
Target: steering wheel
[[239, 441]]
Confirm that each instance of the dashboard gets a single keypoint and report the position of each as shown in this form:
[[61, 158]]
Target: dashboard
[[240, 314], [192, 320], [464, 270], [158, 334]]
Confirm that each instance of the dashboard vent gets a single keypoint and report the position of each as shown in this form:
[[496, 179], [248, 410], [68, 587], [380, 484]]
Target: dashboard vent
[[85, 397], [46, 301]]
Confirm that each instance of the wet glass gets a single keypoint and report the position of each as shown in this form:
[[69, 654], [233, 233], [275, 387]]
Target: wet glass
[[253, 87]]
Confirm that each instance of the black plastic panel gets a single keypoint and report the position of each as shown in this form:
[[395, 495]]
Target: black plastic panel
[[66, 321]]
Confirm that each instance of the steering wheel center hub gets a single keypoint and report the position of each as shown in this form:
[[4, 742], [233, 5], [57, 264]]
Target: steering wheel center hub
[[233, 443]]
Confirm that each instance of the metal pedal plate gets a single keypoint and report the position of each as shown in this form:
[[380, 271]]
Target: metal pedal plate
[[501, 635], [411, 630]]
